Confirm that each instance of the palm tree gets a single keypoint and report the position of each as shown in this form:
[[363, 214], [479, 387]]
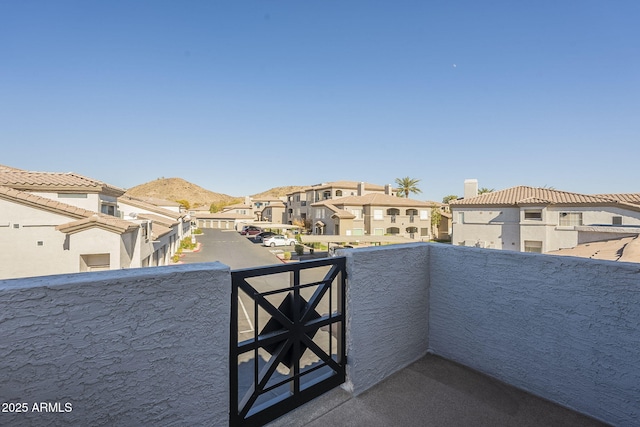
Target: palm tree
[[484, 190], [407, 185]]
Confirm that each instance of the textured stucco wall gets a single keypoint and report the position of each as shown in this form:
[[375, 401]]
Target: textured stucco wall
[[387, 311], [566, 329], [130, 348]]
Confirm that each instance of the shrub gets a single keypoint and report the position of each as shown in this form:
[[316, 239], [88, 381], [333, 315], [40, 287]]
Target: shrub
[[175, 258], [299, 249], [287, 256]]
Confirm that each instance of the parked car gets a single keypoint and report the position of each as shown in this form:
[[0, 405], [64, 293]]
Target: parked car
[[264, 235], [251, 231], [278, 240]]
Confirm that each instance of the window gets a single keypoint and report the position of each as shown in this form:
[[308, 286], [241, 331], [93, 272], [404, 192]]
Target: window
[[358, 232], [338, 193], [326, 195], [424, 231], [393, 230], [569, 219], [616, 220], [320, 213], [424, 215], [533, 215], [533, 246], [377, 214], [378, 231], [108, 210], [304, 203], [357, 213]]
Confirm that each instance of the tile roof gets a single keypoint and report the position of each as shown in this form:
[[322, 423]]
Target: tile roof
[[531, 195], [158, 219], [106, 222], [378, 199], [626, 249], [339, 213], [633, 198], [55, 181], [340, 184], [4, 168], [82, 218], [139, 203]]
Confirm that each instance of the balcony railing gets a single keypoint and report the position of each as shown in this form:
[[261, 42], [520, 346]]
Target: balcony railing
[[288, 347]]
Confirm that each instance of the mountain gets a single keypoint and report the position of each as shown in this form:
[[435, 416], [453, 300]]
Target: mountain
[[179, 189]]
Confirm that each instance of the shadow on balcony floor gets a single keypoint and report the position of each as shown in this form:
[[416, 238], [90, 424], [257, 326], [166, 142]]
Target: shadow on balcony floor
[[434, 392]]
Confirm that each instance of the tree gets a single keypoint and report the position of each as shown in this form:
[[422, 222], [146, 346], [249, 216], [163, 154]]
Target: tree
[[184, 203], [407, 185], [484, 190], [450, 197]]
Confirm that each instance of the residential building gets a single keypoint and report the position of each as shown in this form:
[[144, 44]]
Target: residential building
[[299, 202], [170, 224], [274, 212], [54, 223], [373, 214], [530, 219]]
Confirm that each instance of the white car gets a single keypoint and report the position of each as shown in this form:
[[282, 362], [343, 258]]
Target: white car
[[278, 240]]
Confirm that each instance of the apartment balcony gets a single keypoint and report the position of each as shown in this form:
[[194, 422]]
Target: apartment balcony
[[435, 335]]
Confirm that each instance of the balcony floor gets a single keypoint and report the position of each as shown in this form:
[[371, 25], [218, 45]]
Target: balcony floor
[[434, 392]]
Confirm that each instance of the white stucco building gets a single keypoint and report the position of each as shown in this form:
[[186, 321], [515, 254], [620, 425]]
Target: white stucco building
[[529, 219], [54, 223]]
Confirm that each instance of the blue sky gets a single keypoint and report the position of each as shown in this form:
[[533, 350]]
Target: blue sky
[[242, 96]]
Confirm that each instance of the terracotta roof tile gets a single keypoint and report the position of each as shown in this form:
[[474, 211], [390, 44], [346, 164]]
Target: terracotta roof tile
[[135, 202], [83, 218], [54, 181], [531, 195]]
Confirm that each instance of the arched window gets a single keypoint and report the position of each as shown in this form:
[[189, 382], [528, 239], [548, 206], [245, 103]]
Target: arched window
[[393, 230], [338, 193]]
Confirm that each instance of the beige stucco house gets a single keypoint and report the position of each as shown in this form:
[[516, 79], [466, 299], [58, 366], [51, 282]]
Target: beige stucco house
[[373, 214], [530, 219]]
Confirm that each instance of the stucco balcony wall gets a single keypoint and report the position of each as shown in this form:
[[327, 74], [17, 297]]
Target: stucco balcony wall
[[565, 329], [130, 347]]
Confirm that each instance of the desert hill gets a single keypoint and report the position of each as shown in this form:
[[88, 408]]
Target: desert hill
[[179, 189]]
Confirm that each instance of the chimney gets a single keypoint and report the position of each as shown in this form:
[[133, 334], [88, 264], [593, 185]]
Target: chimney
[[470, 188], [247, 200], [361, 189], [388, 190]]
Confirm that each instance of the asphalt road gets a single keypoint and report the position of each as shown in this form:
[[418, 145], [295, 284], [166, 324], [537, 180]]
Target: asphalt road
[[233, 249]]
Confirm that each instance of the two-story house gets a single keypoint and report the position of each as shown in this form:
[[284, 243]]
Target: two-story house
[[530, 219]]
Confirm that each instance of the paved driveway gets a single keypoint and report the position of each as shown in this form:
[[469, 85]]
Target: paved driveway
[[232, 249]]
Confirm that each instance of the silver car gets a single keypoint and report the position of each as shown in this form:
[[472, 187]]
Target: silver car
[[278, 240]]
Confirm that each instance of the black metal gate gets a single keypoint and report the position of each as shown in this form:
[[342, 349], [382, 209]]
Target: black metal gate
[[285, 349]]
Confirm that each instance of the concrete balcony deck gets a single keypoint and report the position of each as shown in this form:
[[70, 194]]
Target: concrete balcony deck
[[434, 392]]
